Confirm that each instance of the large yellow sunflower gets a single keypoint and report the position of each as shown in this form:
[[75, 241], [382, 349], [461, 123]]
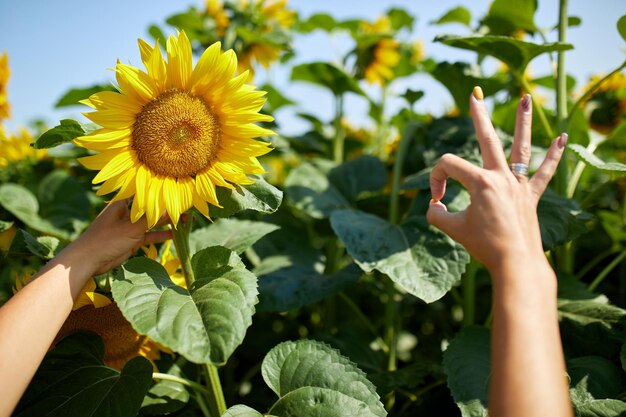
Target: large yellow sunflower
[[175, 132], [4, 79]]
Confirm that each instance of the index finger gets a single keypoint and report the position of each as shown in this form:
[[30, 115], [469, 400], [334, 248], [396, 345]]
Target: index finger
[[451, 166], [490, 145]]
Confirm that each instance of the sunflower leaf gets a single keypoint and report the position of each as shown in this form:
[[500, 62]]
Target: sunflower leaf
[[259, 196], [205, 323], [515, 53], [456, 15], [66, 131], [234, 234], [590, 159], [241, 411], [74, 95], [328, 76], [466, 363], [73, 381], [423, 261], [314, 379]]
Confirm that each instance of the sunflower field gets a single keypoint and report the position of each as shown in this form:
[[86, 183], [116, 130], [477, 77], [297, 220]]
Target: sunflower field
[[303, 278]]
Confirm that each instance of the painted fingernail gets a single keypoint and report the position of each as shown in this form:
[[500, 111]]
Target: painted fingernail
[[562, 141], [478, 93], [526, 102]]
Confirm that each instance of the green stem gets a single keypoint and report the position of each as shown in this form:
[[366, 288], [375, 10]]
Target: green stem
[[382, 126], [407, 135], [592, 89], [469, 294], [183, 381], [340, 134], [180, 235], [217, 404], [606, 271], [595, 261], [365, 320], [391, 336], [578, 171]]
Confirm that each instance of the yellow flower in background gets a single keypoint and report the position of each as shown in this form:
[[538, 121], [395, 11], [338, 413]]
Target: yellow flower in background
[[417, 52], [384, 53], [168, 261], [257, 53], [17, 147], [176, 132], [276, 12], [6, 238], [215, 9], [5, 72], [607, 103], [121, 342]]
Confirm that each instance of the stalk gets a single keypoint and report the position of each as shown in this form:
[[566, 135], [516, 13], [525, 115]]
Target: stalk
[[607, 270], [382, 125], [562, 173], [199, 388], [340, 134], [214, 394], [469, 294]]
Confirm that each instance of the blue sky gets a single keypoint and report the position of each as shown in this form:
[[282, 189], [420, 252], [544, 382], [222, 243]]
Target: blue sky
[[55, 45]]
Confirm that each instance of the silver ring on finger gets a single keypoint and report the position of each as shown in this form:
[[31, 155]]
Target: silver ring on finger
[[519, 168]]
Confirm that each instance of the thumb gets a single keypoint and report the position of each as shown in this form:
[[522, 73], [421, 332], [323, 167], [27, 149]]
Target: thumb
[[451, 224]]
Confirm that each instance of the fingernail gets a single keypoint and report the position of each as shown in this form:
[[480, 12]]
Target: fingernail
[[433, 201], [562, 141], [526, 102], [478, 93]]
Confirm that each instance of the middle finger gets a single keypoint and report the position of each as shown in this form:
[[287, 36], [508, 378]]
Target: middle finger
[[520, 153]]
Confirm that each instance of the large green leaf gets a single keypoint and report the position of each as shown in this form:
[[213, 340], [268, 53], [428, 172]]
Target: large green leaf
[[560, 219], [298, 285], [234, 234], [460, 78], [259, 196], [458, 14], [46, 247], [400, 19], [515, 53], [66, 131], [321, 21], [466, 362], [275, 99], [317, 189], [63, 201], [586, 405], [21, 203], [205, 323], [73, 381], [590, 159], [313, 379], [74, 95], [309, 189], [621, 26], [592, 328], [507, 16], [328, 76], [420, 259], [604, 379], [241, 411]]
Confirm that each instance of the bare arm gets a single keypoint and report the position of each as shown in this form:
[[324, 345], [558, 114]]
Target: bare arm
[[31, 319], [500, 228]]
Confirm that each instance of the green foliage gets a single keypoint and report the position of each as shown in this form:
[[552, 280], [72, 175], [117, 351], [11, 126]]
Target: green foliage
[[328, 76], [259, 196], [592, 160], [621, 26], [206, 323], [561, 220], [75, 95], [458, 14], [233, 234], [506, 16], [66, 131], [73, 381]]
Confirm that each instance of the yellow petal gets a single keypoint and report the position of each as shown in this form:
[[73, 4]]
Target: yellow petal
[[100, 160], [107, 100], [146, 50], [172, 199], [247, 131], [142, 180], [178, 61], [116, 166], [112, 119], [156, 205], [206, 188], [205, 64], [104, 139], [200, 204], [136, 211], [135, 83]]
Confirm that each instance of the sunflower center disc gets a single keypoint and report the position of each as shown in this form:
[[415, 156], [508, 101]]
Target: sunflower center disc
[[176, 135]]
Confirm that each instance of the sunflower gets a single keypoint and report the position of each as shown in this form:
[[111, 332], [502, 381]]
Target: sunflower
[[384, 55], [174, 133], [4, 78], [215, 10], [276, 12], [18, 147], [608, 102], [121, 342]]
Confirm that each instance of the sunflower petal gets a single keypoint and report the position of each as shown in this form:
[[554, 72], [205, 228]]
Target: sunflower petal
[[156, 205], [178, 61], [104, 139], [206, 188], [135, 83], [205, 64], [106, 100], [98, 161], [120, 163], [111, 119], [172, 199]]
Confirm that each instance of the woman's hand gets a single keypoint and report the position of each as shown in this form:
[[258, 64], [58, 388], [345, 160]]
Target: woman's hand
[[500, 225], [112, 238]]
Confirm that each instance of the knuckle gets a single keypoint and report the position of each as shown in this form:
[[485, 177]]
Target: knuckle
[[446, 158]]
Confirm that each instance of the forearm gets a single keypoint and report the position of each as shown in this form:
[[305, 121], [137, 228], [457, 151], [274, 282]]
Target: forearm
[[528, 368], [31, 319]]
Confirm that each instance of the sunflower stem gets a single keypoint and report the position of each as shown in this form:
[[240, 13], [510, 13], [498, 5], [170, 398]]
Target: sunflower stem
[[199, 388], [180, 235], [217, 404], [340, 134]]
